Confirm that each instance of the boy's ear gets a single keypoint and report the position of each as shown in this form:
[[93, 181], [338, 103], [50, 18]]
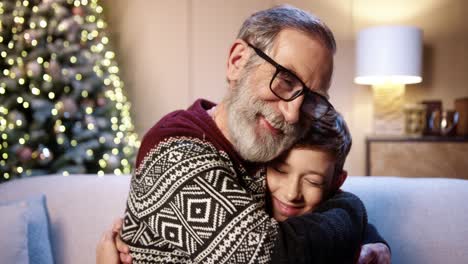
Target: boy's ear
[[341, 178], [238, 56]]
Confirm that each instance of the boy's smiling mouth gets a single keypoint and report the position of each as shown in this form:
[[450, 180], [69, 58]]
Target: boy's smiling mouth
[[284, 209]]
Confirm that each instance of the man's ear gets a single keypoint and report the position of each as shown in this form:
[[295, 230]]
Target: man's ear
[[238, 57], [341, 178]]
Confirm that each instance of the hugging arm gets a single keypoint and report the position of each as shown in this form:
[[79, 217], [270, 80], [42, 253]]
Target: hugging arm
[[332, 233], [375, 249]]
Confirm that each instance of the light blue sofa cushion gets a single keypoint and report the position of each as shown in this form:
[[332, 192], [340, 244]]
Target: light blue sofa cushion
[[13, 233], [424, 220], [39, 247]]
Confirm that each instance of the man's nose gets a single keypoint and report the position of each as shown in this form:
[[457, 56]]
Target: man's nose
[[291, 110]]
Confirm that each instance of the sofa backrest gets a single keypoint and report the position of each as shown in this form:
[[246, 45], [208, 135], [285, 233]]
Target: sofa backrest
[[424, 220], [81, 208]]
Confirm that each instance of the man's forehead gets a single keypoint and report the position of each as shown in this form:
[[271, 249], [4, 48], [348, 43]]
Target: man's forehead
[[305, 56]]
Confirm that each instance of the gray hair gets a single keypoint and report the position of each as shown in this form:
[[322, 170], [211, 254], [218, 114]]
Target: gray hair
[[262, 27]]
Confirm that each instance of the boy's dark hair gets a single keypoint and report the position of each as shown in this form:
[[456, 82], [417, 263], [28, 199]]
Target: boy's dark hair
[[330, 134]]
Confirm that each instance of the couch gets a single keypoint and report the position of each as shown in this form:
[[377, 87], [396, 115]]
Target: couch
[[424, 220]]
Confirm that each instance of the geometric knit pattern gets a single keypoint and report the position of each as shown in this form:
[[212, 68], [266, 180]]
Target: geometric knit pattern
[[188, 204]]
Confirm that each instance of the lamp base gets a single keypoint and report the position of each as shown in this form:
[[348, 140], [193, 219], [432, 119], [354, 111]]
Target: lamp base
[[389, 100]]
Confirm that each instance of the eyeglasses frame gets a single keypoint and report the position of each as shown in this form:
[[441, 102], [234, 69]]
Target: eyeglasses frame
[[305, 90]]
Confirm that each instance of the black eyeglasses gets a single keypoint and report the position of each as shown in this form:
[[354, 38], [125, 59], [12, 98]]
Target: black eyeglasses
[[287, 86]]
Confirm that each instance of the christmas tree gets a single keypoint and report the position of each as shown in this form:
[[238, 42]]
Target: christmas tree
[[62, 107]]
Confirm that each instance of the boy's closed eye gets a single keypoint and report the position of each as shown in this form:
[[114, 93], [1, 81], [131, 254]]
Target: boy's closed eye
[[314, 182], [280, 168]]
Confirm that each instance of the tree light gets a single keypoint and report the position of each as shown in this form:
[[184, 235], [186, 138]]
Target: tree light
[[43, 23]]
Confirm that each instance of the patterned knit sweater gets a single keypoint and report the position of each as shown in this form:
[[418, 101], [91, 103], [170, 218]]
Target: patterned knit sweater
[[194, 200]]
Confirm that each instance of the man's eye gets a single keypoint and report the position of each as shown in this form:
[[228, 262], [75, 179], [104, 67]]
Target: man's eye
[[287, 78]]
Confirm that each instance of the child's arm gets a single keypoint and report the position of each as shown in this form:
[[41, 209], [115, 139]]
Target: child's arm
[[378, 253], [371, 235], [375, 249], [332, 233]]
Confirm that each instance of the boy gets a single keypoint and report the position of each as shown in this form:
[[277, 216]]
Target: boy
[[299, 180]]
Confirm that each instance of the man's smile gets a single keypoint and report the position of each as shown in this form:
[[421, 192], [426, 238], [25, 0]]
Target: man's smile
[[266, 124]]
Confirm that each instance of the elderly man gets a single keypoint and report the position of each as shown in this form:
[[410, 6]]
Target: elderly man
[[195, 196]]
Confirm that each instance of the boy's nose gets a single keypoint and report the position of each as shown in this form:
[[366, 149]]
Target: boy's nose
[[293, 191]]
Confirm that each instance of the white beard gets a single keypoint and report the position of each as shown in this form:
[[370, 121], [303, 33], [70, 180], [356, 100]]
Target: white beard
[[250, 141]]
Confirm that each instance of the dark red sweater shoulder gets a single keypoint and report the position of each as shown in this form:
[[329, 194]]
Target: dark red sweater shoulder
[[194, 122]]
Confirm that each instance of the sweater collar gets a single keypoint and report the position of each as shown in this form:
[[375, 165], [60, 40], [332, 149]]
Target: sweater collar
[[201, 107]]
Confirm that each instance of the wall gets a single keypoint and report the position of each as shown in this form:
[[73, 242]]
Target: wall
[[172, 52]]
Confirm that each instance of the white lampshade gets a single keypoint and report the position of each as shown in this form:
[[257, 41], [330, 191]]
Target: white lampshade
[[389, 54]]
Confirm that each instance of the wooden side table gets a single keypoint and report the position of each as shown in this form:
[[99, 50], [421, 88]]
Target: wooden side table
[[417, 157]]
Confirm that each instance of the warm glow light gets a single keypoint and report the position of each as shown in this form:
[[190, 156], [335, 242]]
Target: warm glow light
[[43, 23], [402, 79], [29, 78], [35, 91], [369, 12], [389, 54]]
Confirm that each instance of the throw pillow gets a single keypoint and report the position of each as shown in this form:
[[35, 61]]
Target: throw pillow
[[39, 246]]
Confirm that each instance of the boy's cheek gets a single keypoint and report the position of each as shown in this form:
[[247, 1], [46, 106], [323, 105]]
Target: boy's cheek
[[272, 182]]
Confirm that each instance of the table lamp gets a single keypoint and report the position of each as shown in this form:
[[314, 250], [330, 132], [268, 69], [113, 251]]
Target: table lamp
[[388, 58]]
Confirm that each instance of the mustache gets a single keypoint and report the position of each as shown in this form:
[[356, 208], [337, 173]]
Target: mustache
[[276, 119]]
